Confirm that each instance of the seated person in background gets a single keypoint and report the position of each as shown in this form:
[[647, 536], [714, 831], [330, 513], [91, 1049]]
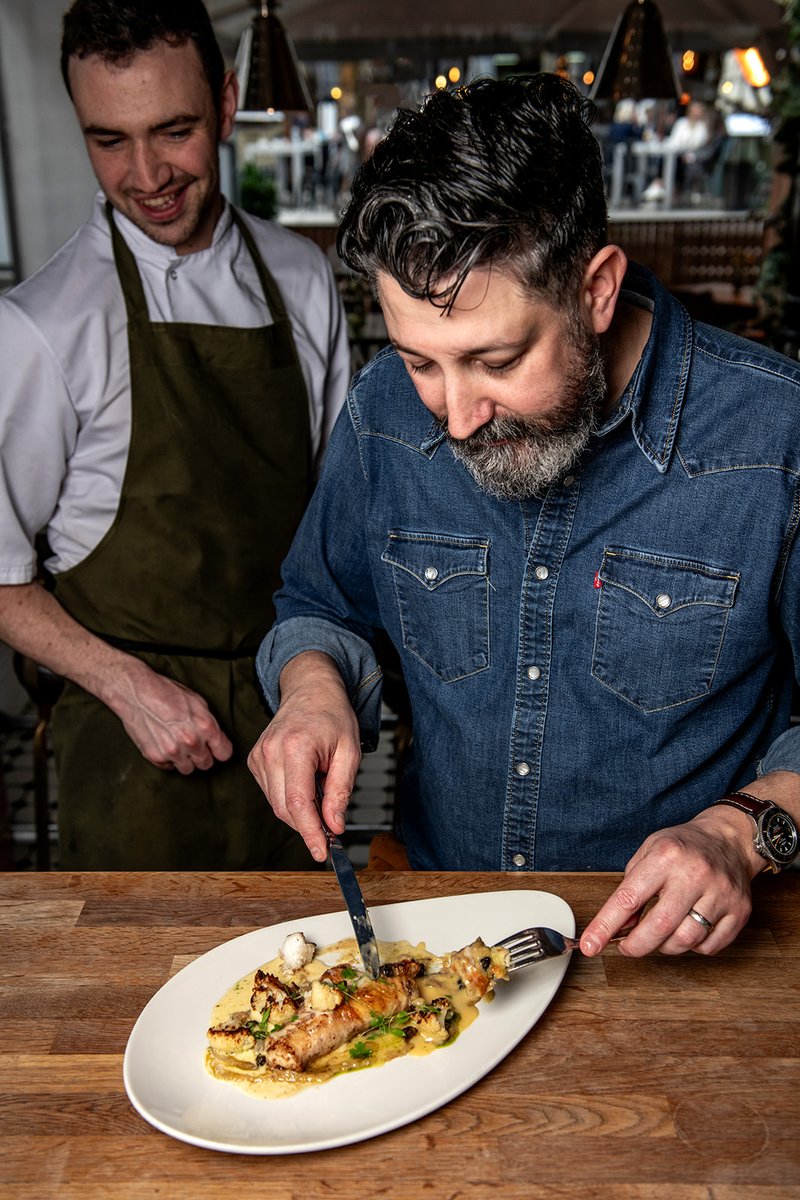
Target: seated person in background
[[689, 134], [575, 513]]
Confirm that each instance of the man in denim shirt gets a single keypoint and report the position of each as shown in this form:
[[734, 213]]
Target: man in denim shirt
[[574, 512]]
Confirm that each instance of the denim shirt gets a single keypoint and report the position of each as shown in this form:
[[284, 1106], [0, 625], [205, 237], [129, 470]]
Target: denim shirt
[[585, 668]]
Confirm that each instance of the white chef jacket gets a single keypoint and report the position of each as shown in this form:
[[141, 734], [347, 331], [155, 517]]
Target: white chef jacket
[[65, 401]]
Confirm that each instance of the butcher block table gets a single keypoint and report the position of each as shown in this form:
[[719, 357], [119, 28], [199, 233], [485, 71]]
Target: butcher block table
[[663, 1077]]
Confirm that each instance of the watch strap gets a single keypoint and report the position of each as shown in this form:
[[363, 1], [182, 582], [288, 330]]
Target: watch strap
[[746, 803]]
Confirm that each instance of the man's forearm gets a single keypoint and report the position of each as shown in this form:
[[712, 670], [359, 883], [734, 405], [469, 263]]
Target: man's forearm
[[33, 622], [170, 725]]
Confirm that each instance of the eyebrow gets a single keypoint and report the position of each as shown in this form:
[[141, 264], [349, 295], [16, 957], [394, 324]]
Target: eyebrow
[[179, 119], [473, 352]]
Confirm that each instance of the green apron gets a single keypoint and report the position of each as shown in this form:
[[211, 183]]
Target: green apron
[[217, 478]]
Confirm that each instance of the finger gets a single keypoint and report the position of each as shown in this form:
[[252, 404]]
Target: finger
[[680, 930], [620, 910], [219, 745], [338, 787], [300, 800]]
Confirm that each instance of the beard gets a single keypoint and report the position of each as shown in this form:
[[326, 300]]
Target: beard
[[519, 458]]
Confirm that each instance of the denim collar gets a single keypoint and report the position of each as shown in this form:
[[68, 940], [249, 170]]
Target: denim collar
[[653, 397]]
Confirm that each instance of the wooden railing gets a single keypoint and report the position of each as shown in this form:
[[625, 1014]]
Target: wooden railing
[[682, 249]]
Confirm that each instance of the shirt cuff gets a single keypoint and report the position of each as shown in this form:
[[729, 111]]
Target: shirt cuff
[[354, 657], [783, 754]]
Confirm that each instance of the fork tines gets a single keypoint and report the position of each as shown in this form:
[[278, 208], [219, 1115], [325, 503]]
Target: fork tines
[[523, 948]]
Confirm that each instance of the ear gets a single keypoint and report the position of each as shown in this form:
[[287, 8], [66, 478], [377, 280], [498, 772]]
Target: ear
[[601, 286], [229, 103]]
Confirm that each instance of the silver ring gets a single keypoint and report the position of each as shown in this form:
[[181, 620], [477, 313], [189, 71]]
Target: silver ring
[[701, 920]]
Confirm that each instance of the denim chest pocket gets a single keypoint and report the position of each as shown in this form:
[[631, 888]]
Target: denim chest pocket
[[660, 627], [442, 590]]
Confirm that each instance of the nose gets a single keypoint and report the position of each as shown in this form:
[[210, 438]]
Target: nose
[[467, 408], [148, 172]]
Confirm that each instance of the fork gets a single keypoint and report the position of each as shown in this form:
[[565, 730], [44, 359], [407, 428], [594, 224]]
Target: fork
[[533, 945]]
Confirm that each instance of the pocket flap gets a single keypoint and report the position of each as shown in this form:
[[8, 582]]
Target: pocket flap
[[665, 584], [435, 558]]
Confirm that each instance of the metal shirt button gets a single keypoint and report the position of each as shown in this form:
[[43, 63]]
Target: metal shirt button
[[534, 673], [663, 601], [431, 573], [519, 860], [569, 480], [522, 768], [541, 573]]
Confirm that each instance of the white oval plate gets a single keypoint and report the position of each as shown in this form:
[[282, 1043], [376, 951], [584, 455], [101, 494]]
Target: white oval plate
[[167, 1082]]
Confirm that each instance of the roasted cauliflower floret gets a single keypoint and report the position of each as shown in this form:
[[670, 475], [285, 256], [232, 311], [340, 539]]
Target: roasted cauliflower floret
[[232, 1040], [296, 952], [270, 993], [324, 997], [433, 1022]]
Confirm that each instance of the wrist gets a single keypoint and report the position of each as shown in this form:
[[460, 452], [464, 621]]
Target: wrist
[[775, 834]]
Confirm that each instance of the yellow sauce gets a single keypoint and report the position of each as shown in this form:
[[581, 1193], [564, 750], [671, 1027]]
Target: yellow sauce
[[274, 1083]]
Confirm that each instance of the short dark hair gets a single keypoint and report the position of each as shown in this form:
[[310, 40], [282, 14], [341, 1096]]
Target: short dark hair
[[504, 172], [115, 30]]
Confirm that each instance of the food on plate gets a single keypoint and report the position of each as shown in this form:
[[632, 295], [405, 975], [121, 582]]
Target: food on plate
[[299, 1019]]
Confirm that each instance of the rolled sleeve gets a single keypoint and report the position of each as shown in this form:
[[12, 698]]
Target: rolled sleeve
[[353, 656], [783, 754]]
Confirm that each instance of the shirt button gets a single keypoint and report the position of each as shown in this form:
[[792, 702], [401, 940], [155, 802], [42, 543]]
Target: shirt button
[[534, 673], [431, 573], [518, 860], [569, 480], [173, 274], [541, 573], [523, 768], [663, 601]]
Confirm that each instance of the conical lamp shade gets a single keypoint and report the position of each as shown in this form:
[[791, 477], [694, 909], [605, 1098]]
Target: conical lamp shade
[[637, 63], [270, 77]]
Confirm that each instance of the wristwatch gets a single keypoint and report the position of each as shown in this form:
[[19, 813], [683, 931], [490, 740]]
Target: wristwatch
[[777, 838]]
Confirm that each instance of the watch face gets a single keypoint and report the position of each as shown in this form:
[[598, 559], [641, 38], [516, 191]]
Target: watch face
[[780, 835]]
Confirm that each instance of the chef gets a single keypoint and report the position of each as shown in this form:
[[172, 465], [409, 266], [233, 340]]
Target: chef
[[170, 377]]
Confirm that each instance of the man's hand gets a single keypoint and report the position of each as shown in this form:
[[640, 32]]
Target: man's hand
[[314, 730], [170, 725], [705, 865]]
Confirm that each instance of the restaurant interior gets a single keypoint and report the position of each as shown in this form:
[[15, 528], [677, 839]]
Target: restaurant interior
[[694, 101]]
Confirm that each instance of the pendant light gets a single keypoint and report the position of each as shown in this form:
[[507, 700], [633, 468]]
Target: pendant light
[[270, 76], [638, 62]]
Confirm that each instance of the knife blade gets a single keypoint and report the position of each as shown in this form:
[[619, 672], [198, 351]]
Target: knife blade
[[353, 898]]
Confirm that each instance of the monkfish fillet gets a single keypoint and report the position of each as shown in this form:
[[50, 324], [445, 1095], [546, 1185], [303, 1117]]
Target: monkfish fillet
[[295, 1046]]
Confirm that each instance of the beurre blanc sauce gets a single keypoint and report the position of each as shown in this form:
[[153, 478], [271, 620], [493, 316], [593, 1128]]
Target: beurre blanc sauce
[[274, 1083]]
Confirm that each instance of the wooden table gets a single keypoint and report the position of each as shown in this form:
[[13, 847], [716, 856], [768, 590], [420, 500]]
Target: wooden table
[[659, 1078]]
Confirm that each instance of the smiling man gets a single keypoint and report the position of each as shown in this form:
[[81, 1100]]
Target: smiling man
[[575, 514], [170, 378]]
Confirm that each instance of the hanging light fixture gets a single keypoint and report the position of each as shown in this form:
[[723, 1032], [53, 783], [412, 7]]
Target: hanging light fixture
[[637, 63], [269, 74]]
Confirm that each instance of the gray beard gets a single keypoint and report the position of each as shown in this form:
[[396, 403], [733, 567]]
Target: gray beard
[[537, 452]]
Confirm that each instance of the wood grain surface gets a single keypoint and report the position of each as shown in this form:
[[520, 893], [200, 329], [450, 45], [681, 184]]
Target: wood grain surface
[[673, 1078]]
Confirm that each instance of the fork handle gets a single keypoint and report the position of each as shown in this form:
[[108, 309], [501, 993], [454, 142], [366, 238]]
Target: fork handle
[[573, 943]]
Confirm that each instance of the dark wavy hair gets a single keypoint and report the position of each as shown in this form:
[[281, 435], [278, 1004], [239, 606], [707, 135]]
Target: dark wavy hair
[[503, 172], [115, 30]]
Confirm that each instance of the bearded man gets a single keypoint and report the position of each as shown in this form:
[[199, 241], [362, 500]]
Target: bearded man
[[574, 512]]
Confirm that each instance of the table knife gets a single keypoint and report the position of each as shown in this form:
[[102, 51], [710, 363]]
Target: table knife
[[353, 898]]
